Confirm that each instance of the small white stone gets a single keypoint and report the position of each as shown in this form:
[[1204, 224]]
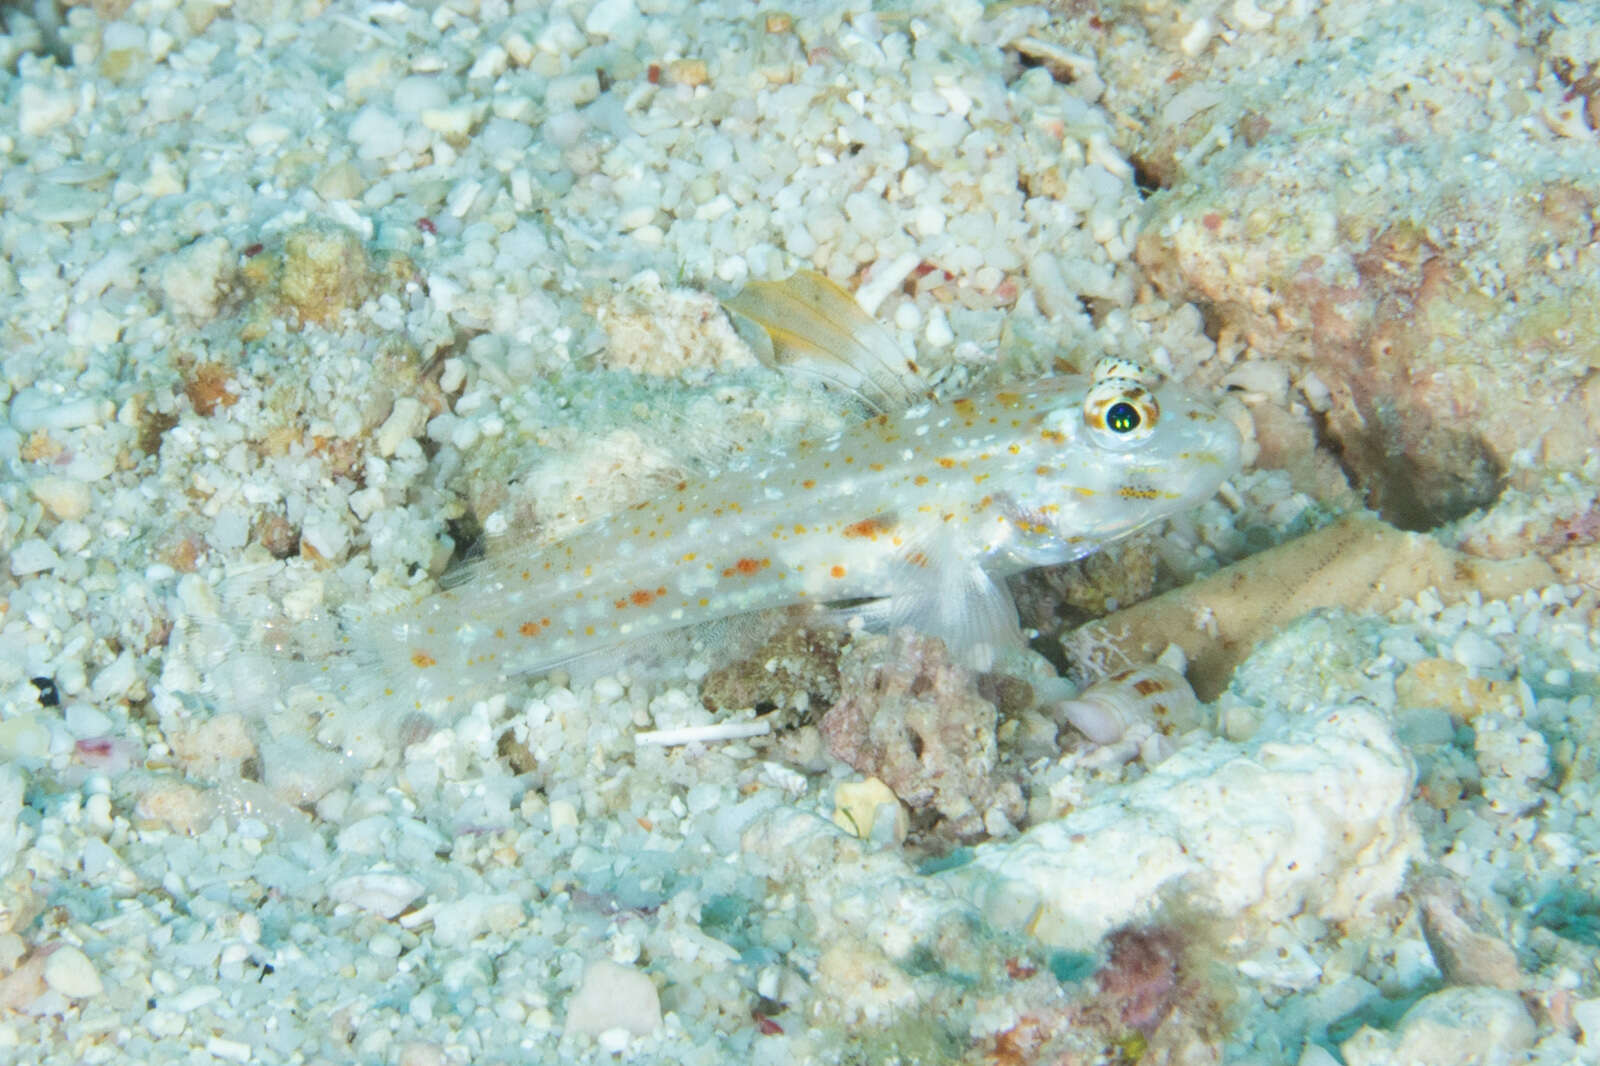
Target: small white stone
[[194, 280], [1586, 1013], [265, 133], [453, 122], [65, 498], [376, 134], [384, 946], [40, 110], [405, 421], [608, 17], [383, 894], [33, 556], [571, 91], [419, 93], [84, 721], [518, 47], [325, 533], [69, 972], [160, 44], [33, 409], [113, 682], [908, 316], [491, 64], [1199, 35], [192, 999], [560, 36], [884, 279], [235, 1050], [461, 198], [164, 1023], [613, 997], [563, 815]]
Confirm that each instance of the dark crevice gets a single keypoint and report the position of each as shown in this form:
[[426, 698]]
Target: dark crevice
[[1146, 178]]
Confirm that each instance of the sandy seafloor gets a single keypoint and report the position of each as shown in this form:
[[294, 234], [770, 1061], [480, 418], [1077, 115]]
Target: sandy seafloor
[[314, 300]]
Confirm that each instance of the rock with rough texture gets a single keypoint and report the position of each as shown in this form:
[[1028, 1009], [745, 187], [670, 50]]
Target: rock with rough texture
[[914, 720], [1455, 1027], [613, 997], [69, 972], [1313, 820]]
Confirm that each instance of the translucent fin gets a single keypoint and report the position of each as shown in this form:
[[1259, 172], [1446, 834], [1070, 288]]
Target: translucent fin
[[943, 595], [818, 328]]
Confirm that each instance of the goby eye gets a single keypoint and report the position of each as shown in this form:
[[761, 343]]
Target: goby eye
[[1123, 417], [1119, 405]]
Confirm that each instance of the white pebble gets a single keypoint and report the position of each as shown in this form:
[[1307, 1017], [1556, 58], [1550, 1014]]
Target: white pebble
[[491, 64], [65, 498], [608, 17], [34, 409], [383, 894], [405, 421], [376, 134], [1473, 649], [192, 999], [236, 1050], [32, 556], [1247, 15], [563, 815], [325, 534], [613, 997], [461, 198], [560, 36], [453, 376], [800, 243], [502, 137], [518, 48], [113, 682], [928, 221], [452, 122], [69, 972], [1199, 35], [40, 110], [384, 946], [264, 133], [419, 93], [886, 277], [571, 91], [84, 721]]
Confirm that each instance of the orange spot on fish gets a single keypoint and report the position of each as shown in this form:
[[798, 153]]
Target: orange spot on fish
[[867, 527], [837, 571], [422, 660]]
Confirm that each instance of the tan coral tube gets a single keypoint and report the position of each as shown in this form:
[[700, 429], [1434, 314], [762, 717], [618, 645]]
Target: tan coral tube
[[1358, 563]]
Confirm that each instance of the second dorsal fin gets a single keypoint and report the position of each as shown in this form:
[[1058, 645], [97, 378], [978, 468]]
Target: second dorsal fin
[[817, 327]]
